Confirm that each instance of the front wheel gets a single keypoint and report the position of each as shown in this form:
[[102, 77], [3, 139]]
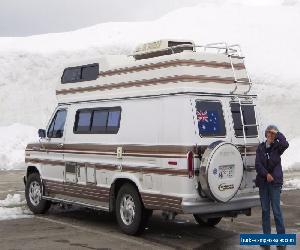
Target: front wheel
[[130, 212], [33, 195], [207, 221]]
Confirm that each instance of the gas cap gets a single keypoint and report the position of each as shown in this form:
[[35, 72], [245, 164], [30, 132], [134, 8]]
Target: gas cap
[[221, 171]]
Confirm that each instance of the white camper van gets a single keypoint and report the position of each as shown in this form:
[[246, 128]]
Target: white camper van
[[173, 127]]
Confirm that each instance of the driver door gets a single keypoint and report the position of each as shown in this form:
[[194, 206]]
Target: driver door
[[54, 166]]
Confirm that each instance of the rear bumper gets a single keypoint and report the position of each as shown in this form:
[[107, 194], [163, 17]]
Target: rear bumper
[[207, 206]]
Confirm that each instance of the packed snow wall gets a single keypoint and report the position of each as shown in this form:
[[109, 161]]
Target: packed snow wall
[[30, 67]]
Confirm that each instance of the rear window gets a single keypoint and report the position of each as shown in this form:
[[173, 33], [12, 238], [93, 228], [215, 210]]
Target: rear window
[[210, 118], [80, 73], [248, 113], [98, 121]]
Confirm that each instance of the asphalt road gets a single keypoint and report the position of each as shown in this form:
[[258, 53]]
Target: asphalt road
[[76, 228]]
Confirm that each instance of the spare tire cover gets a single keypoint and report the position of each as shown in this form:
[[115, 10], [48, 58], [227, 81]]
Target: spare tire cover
[[221, 171]]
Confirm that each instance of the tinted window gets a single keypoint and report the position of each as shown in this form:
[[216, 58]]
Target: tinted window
[[81, 73], [100, 121], [56, 128], [90, 73], [210, 118], [248, 117], [84, 121], [72, 75], [113, 119]]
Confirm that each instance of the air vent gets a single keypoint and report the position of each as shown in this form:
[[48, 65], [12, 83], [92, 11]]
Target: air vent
[[161, 48]]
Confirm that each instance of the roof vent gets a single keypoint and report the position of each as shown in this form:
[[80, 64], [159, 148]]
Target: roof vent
[[161, 48]]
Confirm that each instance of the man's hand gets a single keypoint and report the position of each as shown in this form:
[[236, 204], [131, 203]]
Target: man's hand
[[270, 178]]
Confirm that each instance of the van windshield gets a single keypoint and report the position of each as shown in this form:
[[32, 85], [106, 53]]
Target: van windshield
[[210, 118], [248, 117]]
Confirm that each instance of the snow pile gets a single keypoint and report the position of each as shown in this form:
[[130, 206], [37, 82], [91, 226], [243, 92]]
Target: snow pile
[[292, 184], [266, 29], [13, 208], [291, 157], [13, 140]]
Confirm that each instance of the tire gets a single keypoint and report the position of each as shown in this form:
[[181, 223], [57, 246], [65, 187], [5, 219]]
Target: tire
[[132, 220], [210, 222], [33, 196]]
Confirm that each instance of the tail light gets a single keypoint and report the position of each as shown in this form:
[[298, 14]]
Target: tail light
[[190, 164]]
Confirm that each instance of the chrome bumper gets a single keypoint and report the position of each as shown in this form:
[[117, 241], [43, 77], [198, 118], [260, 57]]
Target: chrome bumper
[[208, 206]]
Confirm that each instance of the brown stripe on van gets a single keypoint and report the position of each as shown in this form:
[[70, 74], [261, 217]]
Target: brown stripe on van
[[77, 190], [162, 206], [77, 195], [156, 170], [83, 192], [42, 147], [45, 161], [128, 150], [165, 198], [125, 168], [89, 187], [171, 63], [162, 202], [153, 81]]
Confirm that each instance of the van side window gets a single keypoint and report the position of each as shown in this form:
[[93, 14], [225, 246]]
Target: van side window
[[113, 119], [56, 128], [80, 73], [210, 118], [98, 121], [84, 121], [248, 113]]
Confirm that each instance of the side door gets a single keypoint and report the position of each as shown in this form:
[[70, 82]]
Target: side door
[[54, 166]]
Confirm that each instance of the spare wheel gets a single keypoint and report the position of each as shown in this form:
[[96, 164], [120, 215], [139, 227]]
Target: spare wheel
[[221, 171]]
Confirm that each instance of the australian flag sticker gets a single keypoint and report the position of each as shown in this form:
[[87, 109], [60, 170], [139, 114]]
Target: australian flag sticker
[[208, 122]]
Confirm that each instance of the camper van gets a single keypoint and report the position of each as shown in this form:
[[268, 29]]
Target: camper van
[[172, 127]]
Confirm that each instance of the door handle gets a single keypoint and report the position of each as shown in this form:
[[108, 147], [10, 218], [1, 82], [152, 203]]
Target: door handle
[[60, 145]]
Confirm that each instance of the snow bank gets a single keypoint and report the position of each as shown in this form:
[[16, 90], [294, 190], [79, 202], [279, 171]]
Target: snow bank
[[13, 140], [13, 207], [291, 157], [292, 184], [267, 31]]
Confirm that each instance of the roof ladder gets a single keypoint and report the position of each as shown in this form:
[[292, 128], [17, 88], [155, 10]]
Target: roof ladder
[[244, 126], [236, 81]]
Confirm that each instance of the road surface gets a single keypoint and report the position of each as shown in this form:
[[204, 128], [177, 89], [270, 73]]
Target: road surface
[[76, 228]]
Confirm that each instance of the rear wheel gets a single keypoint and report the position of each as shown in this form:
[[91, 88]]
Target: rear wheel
[[33, 195], [130, 213], [210, 222]]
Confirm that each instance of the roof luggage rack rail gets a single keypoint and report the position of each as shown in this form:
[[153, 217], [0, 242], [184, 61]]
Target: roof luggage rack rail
[[232, 51]]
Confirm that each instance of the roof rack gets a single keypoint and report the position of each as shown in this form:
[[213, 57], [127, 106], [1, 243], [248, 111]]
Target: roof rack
[[221, 47], [232, 51]]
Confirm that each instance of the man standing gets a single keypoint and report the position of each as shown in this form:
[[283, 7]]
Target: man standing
[[269, 177]]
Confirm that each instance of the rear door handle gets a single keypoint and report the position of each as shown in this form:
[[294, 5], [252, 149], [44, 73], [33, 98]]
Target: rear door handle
[[60, 145]]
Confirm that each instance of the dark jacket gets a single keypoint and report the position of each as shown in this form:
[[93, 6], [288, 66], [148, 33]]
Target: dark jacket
[[271, 162]]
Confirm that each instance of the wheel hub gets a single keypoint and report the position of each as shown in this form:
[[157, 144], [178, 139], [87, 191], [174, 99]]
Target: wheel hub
[[35, 193], [127, 209]]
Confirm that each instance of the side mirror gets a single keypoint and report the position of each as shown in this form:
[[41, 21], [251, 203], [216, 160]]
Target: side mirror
[[42, 133]]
